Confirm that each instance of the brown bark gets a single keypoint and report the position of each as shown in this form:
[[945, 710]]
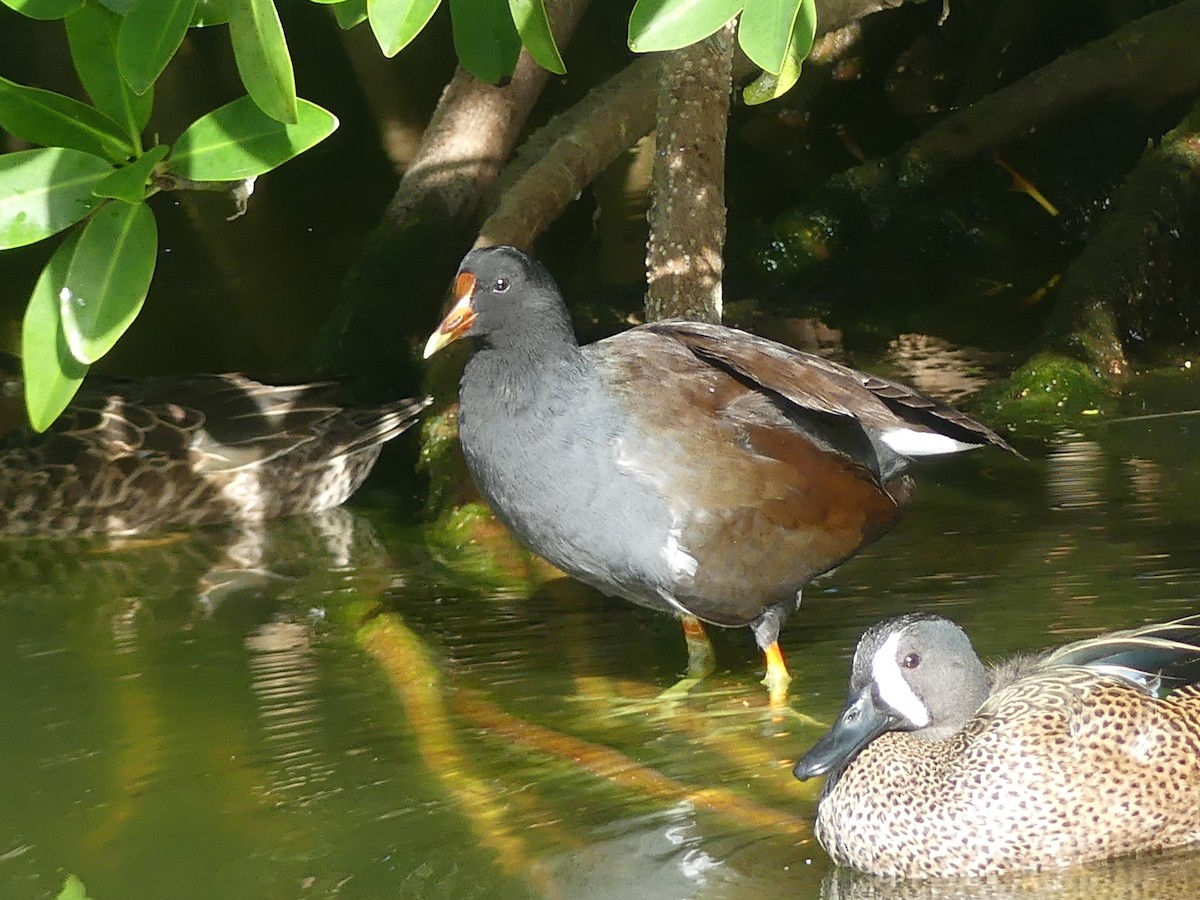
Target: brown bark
[[1152, 62], [567, 155], [687, 211], [1140, 265], [399, 279]]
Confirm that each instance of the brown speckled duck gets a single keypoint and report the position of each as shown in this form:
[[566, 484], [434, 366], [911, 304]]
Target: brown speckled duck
[[942, 767], [132, 456]]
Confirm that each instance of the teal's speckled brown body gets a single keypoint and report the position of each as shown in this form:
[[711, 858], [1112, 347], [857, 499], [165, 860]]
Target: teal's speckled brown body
[[1069, 759]]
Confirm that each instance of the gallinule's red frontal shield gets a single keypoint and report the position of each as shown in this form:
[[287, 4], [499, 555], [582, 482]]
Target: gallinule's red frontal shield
[[690, 468]]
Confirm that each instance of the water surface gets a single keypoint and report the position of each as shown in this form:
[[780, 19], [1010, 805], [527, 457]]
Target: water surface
[[200, 716]]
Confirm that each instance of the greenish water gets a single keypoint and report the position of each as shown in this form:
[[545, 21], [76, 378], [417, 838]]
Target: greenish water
[[200, 717]]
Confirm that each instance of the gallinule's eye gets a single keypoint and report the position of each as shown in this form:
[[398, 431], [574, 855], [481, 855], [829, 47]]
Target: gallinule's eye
[[500, 286], [911, 661]]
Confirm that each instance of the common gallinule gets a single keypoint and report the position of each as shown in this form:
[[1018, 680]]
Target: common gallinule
[[691, 468], [944, 767], [130, 456]]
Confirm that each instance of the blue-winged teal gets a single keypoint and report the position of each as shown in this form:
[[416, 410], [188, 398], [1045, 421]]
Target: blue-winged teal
[[131, 456], [942, 767]]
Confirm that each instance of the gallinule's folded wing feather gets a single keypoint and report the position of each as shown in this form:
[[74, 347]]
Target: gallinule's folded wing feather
[[760, 493], [822, 385]]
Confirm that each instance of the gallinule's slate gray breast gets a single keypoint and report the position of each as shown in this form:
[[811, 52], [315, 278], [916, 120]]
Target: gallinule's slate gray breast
[[690, 468], [130, 456]]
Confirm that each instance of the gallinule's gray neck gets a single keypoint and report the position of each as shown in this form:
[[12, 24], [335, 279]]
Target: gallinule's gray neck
[[690, 468]]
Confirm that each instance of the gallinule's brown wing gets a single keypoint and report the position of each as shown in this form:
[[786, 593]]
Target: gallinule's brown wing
[[132, 456], [690, 468]]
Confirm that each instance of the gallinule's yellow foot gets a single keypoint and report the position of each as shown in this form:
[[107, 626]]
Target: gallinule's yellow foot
[[942, 767], [691, 468], [130, 456]]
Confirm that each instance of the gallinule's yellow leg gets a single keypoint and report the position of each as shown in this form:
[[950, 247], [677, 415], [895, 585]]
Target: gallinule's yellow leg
[[701, 659], [777, 677]]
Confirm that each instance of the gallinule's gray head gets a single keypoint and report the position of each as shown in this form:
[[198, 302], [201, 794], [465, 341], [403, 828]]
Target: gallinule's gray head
[[941, 768], [502, 296], [915, 673]]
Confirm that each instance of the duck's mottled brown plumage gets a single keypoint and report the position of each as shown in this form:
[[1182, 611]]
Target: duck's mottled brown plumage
[[132, 456], [1064, 766]]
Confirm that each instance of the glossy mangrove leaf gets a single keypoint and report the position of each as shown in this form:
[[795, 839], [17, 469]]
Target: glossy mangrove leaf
[[350, 13], [262, 57], [73, 889], [53, 120], [210, 12], [150, 34], [671, 24], [92, 35], [44, 9], [108, 278], [239, 140], [769, 86], [43, 191], [129, 183], [396, 22], [533, 26], [485, 38], [768, 31], [52, 375]]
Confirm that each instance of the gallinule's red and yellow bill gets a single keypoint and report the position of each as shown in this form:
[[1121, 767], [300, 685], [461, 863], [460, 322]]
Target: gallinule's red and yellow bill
[[691, 468]]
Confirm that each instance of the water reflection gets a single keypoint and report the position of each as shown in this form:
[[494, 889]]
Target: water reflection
[[199, 715]]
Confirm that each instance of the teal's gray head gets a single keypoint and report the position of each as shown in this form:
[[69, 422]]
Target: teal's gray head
[[916, 673]]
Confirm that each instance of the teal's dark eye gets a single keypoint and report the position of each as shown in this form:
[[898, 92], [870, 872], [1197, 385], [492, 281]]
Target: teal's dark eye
[[911, 661], [500, 286]]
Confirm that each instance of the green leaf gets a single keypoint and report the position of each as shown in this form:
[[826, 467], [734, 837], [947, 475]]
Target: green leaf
[[128, 183], [44, 9], [108, 278], [350, 13], [240, 141], [43, 191], [52, 375], [73, 888], [92, 34], [396, 22], [769, 86], [671, 24], [150, 34], [120, 7], [52, 120], [262, 57], [534, 28], [767, 31], [486, 38], [210, 12]]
